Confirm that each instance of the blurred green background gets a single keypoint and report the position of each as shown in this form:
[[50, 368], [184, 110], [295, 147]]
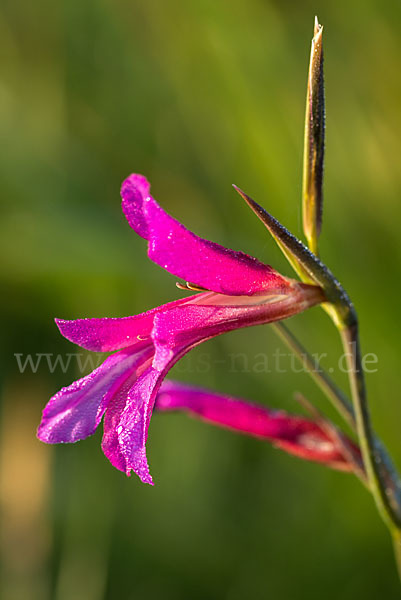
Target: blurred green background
[[196, 95]]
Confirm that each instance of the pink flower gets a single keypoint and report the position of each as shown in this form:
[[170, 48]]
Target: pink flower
[[293, 434], [243, 292]]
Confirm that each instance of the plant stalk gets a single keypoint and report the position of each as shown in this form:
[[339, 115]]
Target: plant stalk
[[380, 486]]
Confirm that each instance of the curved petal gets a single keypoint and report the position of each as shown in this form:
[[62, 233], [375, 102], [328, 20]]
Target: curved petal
[[127, 419], [293, 434], [190, 257], [75, 411], [121, 398], [126, 425], [108, 334]]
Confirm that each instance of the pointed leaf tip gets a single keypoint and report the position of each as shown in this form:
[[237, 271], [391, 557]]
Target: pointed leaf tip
[[257, 209], [280, 234], [308, 266]]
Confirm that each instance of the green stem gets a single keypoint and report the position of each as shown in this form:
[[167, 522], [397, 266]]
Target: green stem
[[379, 485]]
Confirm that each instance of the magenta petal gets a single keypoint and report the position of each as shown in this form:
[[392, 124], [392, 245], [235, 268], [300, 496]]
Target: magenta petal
[[134, 190], [75, 411], [296, 435], [190, 257], [205, 263], [134, 423], [119, 400], [108, 334], [127, 419], [110, 444]]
